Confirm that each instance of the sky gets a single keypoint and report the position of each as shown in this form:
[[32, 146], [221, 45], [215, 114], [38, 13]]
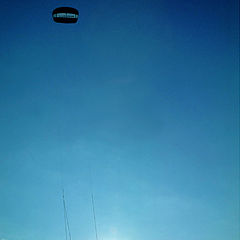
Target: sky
[[137, 104]]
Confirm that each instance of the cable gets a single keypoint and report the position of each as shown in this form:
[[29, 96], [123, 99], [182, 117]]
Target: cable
[[66, 222], [94, 217]]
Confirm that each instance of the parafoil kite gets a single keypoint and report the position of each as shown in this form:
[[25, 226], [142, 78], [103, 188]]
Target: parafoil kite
[[65, 15]]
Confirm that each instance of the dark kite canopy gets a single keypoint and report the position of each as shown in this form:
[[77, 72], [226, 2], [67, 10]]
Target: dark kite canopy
[[65, 15]]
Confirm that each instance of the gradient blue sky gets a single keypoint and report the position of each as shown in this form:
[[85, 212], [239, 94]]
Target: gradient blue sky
[[138, 102]]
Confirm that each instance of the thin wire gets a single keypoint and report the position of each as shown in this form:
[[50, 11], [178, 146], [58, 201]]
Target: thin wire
[[66, 222], [94, 217], [70, 237]]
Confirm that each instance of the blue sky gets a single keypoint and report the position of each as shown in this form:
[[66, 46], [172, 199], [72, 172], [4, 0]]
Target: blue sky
[[138, 103]]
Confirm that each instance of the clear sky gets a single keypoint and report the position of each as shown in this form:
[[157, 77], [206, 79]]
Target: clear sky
[[138, 103]]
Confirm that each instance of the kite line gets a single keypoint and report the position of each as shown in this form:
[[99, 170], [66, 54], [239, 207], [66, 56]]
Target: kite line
[[66, 222]]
